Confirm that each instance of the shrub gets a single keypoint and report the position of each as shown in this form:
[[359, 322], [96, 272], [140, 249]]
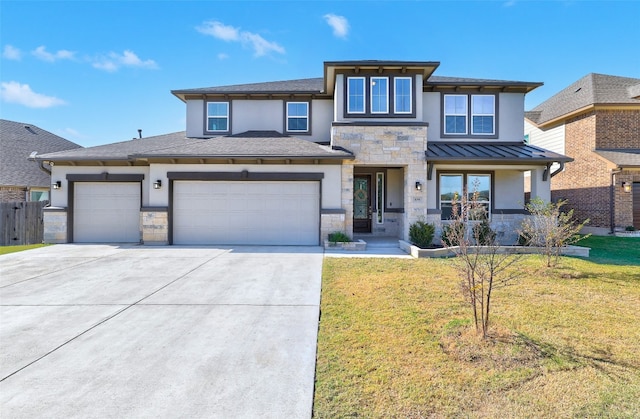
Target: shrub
[[452, 233], [630, 228], [338, 236], [483, 233], [421, 234]]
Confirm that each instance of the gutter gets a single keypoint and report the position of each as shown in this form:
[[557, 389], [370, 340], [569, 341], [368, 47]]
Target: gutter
[[33, 157]]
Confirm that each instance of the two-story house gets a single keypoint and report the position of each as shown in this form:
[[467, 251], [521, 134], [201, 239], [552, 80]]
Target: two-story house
[[367, 149], [596, 121]]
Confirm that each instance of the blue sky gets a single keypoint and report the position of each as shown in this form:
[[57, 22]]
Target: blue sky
[[95, 72]]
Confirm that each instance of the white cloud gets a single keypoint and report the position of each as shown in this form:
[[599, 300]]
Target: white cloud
[[252, 40], [223, 56], [42, 53], [11, 53], [509, 3], [14, 92], [339, 24], [114, 61], [219, 30]]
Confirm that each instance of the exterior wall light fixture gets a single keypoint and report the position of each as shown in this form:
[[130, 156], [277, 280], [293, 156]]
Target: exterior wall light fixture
[[418, 186], [626, 186], [57, 185], [157, 184]]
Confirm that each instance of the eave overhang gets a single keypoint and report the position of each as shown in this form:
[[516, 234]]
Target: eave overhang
[[331, 68]]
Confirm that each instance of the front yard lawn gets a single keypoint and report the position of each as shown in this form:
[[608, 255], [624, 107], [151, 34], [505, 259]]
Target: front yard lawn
[[12, 249], [395, 340]]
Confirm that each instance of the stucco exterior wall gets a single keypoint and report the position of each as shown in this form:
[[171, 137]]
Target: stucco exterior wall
[[266, 115], [510, 114]]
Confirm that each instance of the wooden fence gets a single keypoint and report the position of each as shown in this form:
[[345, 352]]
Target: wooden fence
[[21, 223]]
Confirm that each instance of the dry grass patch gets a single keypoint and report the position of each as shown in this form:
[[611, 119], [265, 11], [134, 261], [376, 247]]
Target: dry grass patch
[[396, 340]]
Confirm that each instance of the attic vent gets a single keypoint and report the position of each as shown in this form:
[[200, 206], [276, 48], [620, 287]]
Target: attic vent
[[28, 128], [578, 89]]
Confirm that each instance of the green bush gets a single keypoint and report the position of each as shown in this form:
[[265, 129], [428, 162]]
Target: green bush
[[630, 228], [484, 234], [421, 234], [452, 233], [338, 236]]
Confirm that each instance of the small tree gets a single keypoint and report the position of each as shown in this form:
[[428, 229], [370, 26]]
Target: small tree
[[550, 228], [481, 267]]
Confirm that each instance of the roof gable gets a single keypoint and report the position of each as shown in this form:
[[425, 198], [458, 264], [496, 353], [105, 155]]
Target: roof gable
[[592, 89], [17, 141]]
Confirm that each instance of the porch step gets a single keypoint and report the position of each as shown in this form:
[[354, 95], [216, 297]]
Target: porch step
[[379, 242]]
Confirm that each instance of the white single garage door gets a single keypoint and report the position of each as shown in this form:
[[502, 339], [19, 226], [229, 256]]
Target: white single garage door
[[106, 212], [246, 212]]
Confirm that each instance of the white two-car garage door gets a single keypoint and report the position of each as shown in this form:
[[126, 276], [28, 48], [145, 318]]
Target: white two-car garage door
[[106, 212], [246, 212]]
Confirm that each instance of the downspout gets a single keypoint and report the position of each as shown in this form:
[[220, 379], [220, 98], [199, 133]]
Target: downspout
[[612, 200], [33, 157], [558, 170]]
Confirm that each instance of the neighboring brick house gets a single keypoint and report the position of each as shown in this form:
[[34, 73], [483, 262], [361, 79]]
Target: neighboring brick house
[[21, 179], [368, 149], [596, 121]]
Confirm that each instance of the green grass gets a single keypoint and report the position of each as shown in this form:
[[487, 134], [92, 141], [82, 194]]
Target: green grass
[[613, 250], [396, 340], [12, 249]]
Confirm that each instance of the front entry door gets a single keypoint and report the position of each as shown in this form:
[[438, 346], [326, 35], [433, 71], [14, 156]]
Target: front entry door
[[362, 204]]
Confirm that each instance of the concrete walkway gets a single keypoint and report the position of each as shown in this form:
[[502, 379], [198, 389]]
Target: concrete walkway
[[377, 247], [100, 331]]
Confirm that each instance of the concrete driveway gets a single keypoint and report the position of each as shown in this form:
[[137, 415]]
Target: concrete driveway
[[133, 331]]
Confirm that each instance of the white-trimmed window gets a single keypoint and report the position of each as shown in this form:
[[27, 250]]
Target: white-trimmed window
[[355, 95], [483, 111], [452, 185], [297, 116], [218, 116], [379, 95], [455, 114], [402, 95]]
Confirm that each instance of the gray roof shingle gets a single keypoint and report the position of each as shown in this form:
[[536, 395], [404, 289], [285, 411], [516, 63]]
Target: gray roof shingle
[[592, 89], [621, 157], [17, 141], [314, 85], [178, 145]]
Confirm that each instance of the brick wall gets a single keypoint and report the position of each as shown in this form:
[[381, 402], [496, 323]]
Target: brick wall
[[618, 129], [585, 181], [12, 194]]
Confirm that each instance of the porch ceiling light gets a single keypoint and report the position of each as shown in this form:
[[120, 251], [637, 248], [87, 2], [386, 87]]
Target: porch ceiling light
[[418, 186], [57, 185], [157, 184], [626, 186]]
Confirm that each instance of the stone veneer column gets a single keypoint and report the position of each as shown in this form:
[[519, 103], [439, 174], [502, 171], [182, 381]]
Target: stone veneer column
[[385, 146], [154, 223], [55, 225]]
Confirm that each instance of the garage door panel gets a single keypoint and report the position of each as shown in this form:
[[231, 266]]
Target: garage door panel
[[106, 212], [246, 212]]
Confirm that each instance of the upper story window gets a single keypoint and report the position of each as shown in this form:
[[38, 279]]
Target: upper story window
[[469, 115], [375, 96], [402, 89], [355, 95], [297, 116], [455, 114], [218, 116], [379, 95], [483, 114]]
